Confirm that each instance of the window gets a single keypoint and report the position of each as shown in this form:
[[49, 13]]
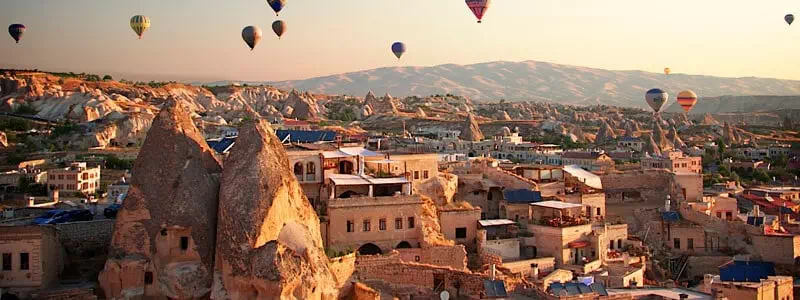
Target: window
[[676, 243], [489, 196], [619, 244], [367, 226], [483, 216], [350, 226], [611, 245], [410, 222], [6, 261], [311, 171], [690, 244], [461, 233], [425, 174], [52, 177], [475, 193], [85, 176], [148, 278], [598, 211], [398, 223], [382, 224], [416, 174], [60, 177], [728, 216], [24, 261], [298, 171], [184, 243]]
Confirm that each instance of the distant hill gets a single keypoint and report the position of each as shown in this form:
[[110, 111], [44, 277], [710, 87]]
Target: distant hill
[[735, 104], [531, 80]]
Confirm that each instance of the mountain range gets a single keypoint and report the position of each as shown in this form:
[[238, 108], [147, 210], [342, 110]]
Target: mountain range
[[539, 81]]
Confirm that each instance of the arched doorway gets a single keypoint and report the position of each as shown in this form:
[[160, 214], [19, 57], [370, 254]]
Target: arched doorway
[[369, 249], [345, 167], [403, 245]]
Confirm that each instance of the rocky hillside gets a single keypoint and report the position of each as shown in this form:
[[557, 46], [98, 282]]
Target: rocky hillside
[[531, 80]]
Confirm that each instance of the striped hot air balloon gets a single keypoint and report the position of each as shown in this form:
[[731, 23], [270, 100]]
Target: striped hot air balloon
[[656, 98], [687, 100], [16, 31], [478, 7], [139, 24]]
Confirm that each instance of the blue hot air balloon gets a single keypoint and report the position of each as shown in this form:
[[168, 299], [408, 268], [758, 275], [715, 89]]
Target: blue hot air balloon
[[398, 48], [277, 5], [656, 98], [16, 31]]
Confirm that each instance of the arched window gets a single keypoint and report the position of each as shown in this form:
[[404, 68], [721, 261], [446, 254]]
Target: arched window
[[311, 171], [298, 171]]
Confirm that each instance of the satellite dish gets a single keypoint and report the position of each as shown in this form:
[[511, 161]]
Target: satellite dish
[[444, 295]]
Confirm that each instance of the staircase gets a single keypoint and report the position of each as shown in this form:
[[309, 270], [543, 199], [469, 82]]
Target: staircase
[[678, 266]]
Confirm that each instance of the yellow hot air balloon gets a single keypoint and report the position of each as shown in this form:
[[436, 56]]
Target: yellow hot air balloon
[[667, 71], [139, 24]]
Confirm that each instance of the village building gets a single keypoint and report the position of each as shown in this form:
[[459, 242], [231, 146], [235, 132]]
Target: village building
[[630, 143], [31, 258], [588, 160], [748, 280], [674, 161], [77, 178]]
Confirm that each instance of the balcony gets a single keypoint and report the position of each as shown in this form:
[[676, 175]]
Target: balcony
[[563, 221]]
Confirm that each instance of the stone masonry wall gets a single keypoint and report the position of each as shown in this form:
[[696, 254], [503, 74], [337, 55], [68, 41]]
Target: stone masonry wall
[[82, 237], [652, 186]]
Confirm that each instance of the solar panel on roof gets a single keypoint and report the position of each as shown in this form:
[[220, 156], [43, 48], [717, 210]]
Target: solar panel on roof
[[495, 288], [746, 271], [522, 196]]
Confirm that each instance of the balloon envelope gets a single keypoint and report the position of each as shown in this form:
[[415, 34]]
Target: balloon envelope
[[276, 5], [16, 31], [478, 7], [789, 18], [279, 27], [656, 98], [687, 100], [139, 24], [398, 49], [667, 71], [251, 35]]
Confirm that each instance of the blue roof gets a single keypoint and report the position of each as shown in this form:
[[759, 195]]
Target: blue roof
[[306, 136], [495, 288], [522, 196], [755, 221], [576, 288], [222, 146], [746, 271], [670, 216]]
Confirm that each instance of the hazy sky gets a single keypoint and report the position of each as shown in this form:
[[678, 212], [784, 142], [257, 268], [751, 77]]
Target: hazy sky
[[201, 39]]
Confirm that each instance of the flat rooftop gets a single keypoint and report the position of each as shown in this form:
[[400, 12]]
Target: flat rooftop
[[556, 204]]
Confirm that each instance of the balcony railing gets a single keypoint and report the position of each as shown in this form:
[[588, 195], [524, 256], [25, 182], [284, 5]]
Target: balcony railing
[[565, 221]]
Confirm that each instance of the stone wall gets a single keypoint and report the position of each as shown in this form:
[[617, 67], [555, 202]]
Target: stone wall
[[545, 265], [701, 265], [451, 220], [651, 186], [85, 237], [454, 257], [777, 249]]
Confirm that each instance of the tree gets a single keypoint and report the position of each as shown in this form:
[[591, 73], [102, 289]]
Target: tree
[[761, 175], [107, 78], [735, 177]]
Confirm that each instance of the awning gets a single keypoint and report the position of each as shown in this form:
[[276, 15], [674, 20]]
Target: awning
[[344, 179], [389, 180], [579, 244], [349, 152], [382, 161]]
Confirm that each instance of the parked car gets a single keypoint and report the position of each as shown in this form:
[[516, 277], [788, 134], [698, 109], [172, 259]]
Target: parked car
[[49, 217], [111, 211], [78, 215]]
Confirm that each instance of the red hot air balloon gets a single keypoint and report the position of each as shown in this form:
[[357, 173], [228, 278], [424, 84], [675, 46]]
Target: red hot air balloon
[[478, 7], [687, 100]]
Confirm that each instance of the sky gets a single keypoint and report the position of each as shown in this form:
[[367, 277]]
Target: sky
[[201, 39]]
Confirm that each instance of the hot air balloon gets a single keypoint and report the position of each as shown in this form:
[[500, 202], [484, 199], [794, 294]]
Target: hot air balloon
[[398, 49], [687, 100], [251, 35], [277, 5], [139, 24], [478, 7], [279, 27], [16, 31], [656, 98], [789, 18], [667, 71]]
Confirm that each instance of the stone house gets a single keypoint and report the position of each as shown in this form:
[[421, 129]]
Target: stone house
[[674, 161], [31, 258], [588, 160], [460, 223], [77, 178]]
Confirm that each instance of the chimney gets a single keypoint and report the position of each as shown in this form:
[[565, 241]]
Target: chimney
[[667, 203], [54, 196], [535, 271], [756, 210], [493, 272]]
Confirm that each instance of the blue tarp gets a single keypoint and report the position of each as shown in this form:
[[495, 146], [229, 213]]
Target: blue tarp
[[746, 271], [495, 288], [522, 196], [223, 145], [670, 216], [306, 136]]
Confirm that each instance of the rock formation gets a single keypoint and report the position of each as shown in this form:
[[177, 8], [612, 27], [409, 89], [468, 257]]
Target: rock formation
[[163, 240], [381, 106], [606, 134], [3, 140], [440, 189], [728, 134], [269, 244], [304, 107], [660, 138], [675, 138], [650, 146], [421, 113], [708, 119], [503, 116], [471, 131]]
